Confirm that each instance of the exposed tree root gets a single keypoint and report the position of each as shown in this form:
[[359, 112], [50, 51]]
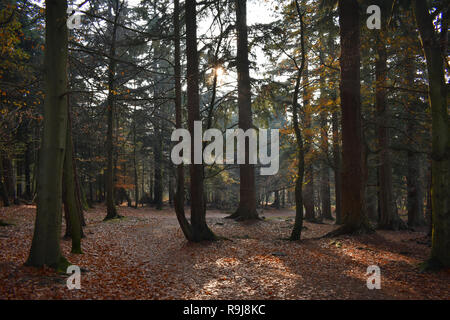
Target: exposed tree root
[[113, 218], [345, 230], [242, 214]]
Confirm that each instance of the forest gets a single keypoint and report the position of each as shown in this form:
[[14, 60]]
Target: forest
[[224, 149]]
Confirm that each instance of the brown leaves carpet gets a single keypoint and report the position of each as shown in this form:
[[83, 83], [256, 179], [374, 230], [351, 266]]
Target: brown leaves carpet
[[145, 256]]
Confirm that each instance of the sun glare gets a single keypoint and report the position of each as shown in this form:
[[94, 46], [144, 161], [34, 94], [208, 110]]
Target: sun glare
[[219, 72]]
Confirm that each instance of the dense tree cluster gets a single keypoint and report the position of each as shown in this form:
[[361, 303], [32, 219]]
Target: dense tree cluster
[[86, 114]]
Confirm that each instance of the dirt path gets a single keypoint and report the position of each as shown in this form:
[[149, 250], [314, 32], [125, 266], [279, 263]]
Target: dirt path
[[145, 256]]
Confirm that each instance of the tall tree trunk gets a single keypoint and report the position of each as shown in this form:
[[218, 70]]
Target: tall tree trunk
[[157, 143], [171, 191], [440, 185], [80, 196], [136, 183], [9, 178], [27, 163], [91, 194], [337, 168], [324, 169], [71, 206], [45, 247], [414, 186], [152, 185], [100, 188], [428, 208], [3, 189], [115, 156], [143, 183], [276, 202], [200, 230], [247, 194], [415, 191], [158, 187], [111, 211], [308, 194], [298, 222], [79, 193], [308, 188], [352, 144], [325, 192], [388, 216]]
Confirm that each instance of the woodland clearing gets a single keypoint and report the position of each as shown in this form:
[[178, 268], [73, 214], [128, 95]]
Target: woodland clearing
[[145, 256]]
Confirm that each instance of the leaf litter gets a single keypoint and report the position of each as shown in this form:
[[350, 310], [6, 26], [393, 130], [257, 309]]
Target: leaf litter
[[145, 256]]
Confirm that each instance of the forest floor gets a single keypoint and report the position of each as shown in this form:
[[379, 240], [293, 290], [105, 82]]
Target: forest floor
[[145, 256]]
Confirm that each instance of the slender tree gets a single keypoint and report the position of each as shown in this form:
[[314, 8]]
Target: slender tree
[[135, 169], [308, 189], [337, 167], [415, 188], [247, 201], [179, 194], [324, 168], [434, 47], [111, 211], [298, 223], [72, 207], [3, 188], [200, 230], [389, 218], [158, 123]]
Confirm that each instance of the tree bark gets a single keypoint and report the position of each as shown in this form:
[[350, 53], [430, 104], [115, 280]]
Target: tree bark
[[388, 216], [9, 178], [27, 163], [158, 183], [136, 183], [428, 208], [337, 168], [200, 230], [247, 194], [111, 211], [3, 189], [72, 208], [45, 247], [276, 202], [157, 142], [415, 193], [352, 145], [298, 222], [308, 188], [325, 200], [324, 169], [431, 44], [179, 194]]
